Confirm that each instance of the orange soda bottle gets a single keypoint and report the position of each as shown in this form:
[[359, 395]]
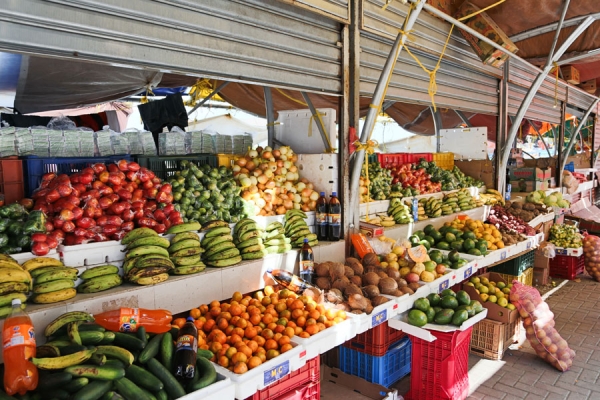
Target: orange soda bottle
[[129, 319], [18, 348]]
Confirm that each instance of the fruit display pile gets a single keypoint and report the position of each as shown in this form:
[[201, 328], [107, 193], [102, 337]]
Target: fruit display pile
[[507, 222], [526, 211], [465, 236], [491, 197], [448, 307], [494, 292], [566, 236], [379, 181], [554, 199], [413, 180], [448, 180], [591, 247]]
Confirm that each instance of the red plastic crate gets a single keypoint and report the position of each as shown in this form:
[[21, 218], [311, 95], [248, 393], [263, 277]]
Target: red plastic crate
[[376, 341], [13, 192], [309, 391], [305, 376], [415, 157], [440, 369], [11, 180], [566, 267], [389, 160]]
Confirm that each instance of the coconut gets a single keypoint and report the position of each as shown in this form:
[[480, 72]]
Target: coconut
[[341, 283], [336, 271], [313, 293], [323, 283], [352, 289], [397, 293], [334, 296], [401, 282], [392, 273], [355, 264], [379, 300], [371, 278], [357, 312], [349, 272], [371, 291], [372, 268], [369, 308], [342, 306], [358, 302], [414, 286], [382, 274], [388, 285], [370, 259], [322, 269], [357, 280], [407, 290]]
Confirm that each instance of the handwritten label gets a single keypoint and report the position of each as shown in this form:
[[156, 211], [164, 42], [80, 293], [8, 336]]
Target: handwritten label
[[503, 255], [379, 318], [468, 272], [444, 285], [276, 373]]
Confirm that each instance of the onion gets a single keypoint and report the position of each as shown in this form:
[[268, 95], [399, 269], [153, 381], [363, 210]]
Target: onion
[[310, 186], [282, 171], [268, 148], [251, 165], [288, 204], [270, 184], [260, 203], [305, 200], [294, 158], [300, 186], [287, 164], [307, 193], [283, 158], [236, 168], [241, 162], [245, 182], [253, 153], [253, 189], [266, 155], [288, 186], [297, 198], [284, 150], [279, 163], [262, 179], [276, 153], [293, 168], [312, 205], [253, 180], [314, 196]]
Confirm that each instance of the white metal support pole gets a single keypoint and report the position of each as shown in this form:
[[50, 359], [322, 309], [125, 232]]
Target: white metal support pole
[[437, 126], [463, 118], [210, 96], [270, 115], [576, 133], [541, 138]]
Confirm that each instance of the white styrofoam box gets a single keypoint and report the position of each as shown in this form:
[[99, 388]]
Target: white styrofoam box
[[222, 389], [443, 282], [383, 312], [266, 374], [22, 257], [121, 296], [299, 130], [310, 218], [321, 170], [327, 339], [262, 222], [209, 280], [465, 143], [374, 207], [562, 251], [95, 253]]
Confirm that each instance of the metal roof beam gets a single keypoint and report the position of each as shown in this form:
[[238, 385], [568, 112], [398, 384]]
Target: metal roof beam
[[576, 133], [550, 27], [579, 57]]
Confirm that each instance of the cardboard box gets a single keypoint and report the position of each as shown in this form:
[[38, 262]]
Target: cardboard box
[[370, 230], [523, 186], [482, 170], [541, 276], [570, 74], [337, 385], [486, 26], [530, 174], [541, 261], [589, 86], [495, 312]]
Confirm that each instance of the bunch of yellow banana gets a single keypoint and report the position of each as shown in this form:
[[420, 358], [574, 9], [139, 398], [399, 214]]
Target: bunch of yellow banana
[[15, 283], [491, 197], [52, 280]]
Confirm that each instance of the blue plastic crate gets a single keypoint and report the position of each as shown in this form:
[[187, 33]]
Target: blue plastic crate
[[35, 167], [384, 370], [570, 167]]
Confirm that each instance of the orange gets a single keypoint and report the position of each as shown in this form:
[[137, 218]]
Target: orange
[[219, 337], [203, 309], [230, 352], [321, 326], [277, 336], [198, 324], [322, 319], [297, 313], [222, 323], [258, 295], [246, 350], [229, 330], [280, 307], [250, 332], [268, 290], [245, 315], [223, 361], [282, 321], [272, 326], [304, 335], [285, 314], [214, 304], [208, 325], [260, 340], [272, 354], [311, 321], [266, 301], [179, 322], [286, 347], [225, 306], [291, 324], [240, 368], [226, 315], [283, 340], [279, 329], [245, 302], [289, 332], [298, 330], [297, 305], [234, 338], [312, 329], [301, 321], [215, 311], [337, 320], [271, 344], [267, 319], [215, 347], [241, 323], [239, 357], [262, 356], [235, 309], [254, 362], [267, 333], [237, 296], [288, 302], [255, 319], [253, 345], [195, 313], [315, 314]]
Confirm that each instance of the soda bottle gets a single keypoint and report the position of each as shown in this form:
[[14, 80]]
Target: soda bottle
[[307, 262], [185, 351], [129, 319], [334, 218], [321, 217], [18, 348], [289, 281]]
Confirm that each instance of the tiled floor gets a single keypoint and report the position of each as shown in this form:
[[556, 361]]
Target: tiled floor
[[523, 375]]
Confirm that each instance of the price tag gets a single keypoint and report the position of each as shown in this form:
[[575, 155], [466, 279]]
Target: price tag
[[276, 373], [379, 318], [444, 285], [468, 272], [503, 255], [562, 252], [528, 244]]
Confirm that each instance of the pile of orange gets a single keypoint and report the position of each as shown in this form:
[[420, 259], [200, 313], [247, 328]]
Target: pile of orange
[[247, 331]]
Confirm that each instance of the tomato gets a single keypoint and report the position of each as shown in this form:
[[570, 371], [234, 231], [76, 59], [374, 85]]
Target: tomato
[[41, 207], [128, 215], [48, 177], [86, 179], [114, 220], [98, 168], [112, 168], [52, 242], [105, 190], [58, 235], [114, 179], [124, 194], [40, 248], [40, 193], [168, 209], [97, 185], [103, 177], [133, 166], [101, 221], [110, 229], [147, 222], [85, 223], [74, 178], [49, 226], [144, 175], [52, 196], [159, 215], [105, 203], [162, 197], [39, 237], [151, 193], [68, 226], [148, 184], [100, 237], [114, 197], [160, 228], [127, 226], [79, 188], [80, 232], [123, 165], [117, 208], [27, 203], [118, 235], [151, 205], [90, 194]]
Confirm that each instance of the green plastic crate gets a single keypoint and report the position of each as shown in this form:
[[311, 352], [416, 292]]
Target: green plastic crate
[[166, 166], [515, 266]]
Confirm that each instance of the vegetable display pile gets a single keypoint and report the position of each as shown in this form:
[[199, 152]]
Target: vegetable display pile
[[554, 199], [446, 308], [526, 211], [566, 236], [22, 231], [448, 180], [379, 181], [465, 236], [509, 223], [415, 179], [591, 252], [493, 292]]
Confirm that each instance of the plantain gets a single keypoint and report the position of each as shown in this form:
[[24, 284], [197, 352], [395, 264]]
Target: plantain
[[128, 264], [256, 255], [121, 354], [73, 332], [62, 362], [224, 263], [249, 235], [246, 228], [149, 241], [99, 271], [56, 274], [137, 233], [14, 275], [66, 318], [185, 236], [233, 252], [184, 244], [189, 269], [6, 300], [12, 287], [100, 283], [218, 248], [40, 262], [241, 223], [136, 274], [147, 250], [273, 226], [191, 251], [53, 286], [213, 241], [213, 224], [54, 297], [153, 280], [186, 227], [9, 264], [190, 260], [153, 262], [250, 242], [252, 249], [223, 230]]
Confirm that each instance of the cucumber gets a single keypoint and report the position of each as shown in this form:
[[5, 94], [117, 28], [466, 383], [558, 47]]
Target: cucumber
[[166, 351], [82, 328], [76, 384], [149, 394], [128, 341], [110, 395], [172, 386], [113, 362], [93, 391], [129, 390], [87, 337], [51, 381], [205, 354], [207, 372], [96, 372], [141, 334], [59, 394], [151, 350], [108, 338], [70, 349], [143, 378], [162, 395]]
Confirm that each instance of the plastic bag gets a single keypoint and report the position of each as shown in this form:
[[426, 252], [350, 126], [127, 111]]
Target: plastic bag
[[548, 249], [538, 321], [380, 247], [119, 143], [591, 253], [570, 182], [103, 142]]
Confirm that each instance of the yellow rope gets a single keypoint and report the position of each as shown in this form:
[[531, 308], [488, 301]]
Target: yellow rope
[[369, 149], [144, 98], [287, 96]]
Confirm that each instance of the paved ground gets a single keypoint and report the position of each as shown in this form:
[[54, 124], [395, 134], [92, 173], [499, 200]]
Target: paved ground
[[523, 375]]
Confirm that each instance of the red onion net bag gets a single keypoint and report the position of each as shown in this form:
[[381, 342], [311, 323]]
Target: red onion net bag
[[538, 321], [591, 253]]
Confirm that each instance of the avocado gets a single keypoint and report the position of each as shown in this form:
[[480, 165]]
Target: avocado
[[457, 245], [444, 317], [430, 313], [447, 292], [469, 310], [428, 229], [476, 305], [436, 256], [474, 252], [417, 318], [443, 246], [426, 244], [430, 240], [450, 237], [434, 299], [421, 304], [459, 317], [420, 234], [453, 256], [469, 244], [449, 302], [463, 298]]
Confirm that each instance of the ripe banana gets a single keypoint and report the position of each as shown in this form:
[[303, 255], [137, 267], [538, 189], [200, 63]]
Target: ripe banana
[[149, 241], [185, 236], [56, 274], [54, 297], [190, 260], [9, 264], [99, 271], [6, 300], [189, 269], [14, 275], [53, 286], [73, 332], [62, 362], [187, 227], [224, 263], [40, 262], [128, 264], [136, 234], [12, 287], [213, 224], [218, 248], [146, 250], [72, 316], [152, 280], [184, 244], [234, 252], [213, 241], [100, 283], [223, 230], [190, 251]]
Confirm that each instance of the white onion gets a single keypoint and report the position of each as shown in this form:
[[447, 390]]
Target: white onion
[[245, 182], [314, 196], [253, 153]]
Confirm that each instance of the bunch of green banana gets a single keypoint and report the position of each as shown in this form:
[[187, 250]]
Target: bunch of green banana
[[100, 278], [185, 251], [432, 206], [193, 226], [52, 280], [399, 211], [15, 283], [296, 230], [248, 238], [218, 245], [147, 261], [459, 201]]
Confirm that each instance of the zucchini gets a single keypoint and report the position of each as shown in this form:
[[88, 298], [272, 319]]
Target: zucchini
[[129, 390], [207, 372], [172, 386], [96, 372], [128, 341], [115, 363], [149, 394], [93, 391], [51, 381], [141, 334], [59, 394], [151, 350], [166, 351], [76, 384], [87, 337], [143, 378]]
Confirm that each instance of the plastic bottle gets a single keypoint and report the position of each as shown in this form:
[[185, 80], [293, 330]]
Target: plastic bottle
[[289, 281], [321, 217], [18, 347], [185, 351], [129, 319], [334, 218], [307, 263]]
